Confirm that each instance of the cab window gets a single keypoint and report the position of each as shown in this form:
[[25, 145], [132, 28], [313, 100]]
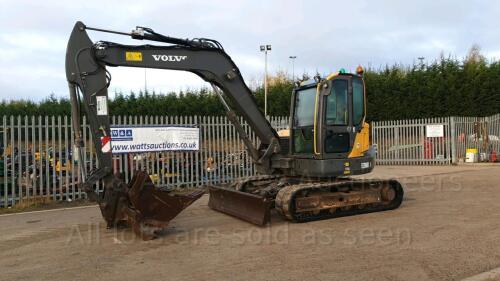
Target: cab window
[[358, 101], [304, 107], [336, 104], [303, 122]]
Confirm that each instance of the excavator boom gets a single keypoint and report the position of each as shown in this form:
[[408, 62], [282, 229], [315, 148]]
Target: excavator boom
[[86, 72]]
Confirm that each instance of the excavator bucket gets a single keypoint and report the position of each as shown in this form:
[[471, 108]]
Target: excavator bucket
[[150, 209], [243, 205]]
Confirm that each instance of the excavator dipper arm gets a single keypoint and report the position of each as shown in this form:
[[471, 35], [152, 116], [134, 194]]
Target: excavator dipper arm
[[137, 204]]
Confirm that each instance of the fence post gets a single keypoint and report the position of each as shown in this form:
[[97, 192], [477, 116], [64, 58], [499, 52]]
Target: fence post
[[396, 142], [4, 159], [453, 139]]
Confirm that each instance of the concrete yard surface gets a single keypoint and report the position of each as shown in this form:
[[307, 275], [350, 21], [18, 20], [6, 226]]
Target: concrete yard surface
[[448, 228]]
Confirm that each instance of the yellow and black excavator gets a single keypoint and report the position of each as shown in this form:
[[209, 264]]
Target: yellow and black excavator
[[303, 174]]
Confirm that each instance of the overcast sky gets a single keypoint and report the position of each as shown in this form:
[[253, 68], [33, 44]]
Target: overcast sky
[[324, 35]]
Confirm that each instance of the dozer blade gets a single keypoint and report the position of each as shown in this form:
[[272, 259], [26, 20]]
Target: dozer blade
[[246, 206], [150, 209]]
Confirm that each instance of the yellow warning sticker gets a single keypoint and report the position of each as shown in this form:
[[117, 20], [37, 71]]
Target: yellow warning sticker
[[133, 56]]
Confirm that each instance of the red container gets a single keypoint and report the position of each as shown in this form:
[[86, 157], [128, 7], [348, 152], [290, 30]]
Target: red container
[[428, 149]]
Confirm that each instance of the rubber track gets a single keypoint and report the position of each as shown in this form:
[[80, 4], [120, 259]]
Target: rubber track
[[285, 200]]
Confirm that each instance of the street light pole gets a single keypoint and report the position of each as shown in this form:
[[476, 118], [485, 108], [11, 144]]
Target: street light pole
[[293, 67], [421, 59], [145, 82], [265, 48], [265, 84]]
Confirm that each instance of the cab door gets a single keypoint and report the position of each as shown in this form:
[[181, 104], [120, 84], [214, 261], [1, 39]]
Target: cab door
[[337, 119], [341, 115]]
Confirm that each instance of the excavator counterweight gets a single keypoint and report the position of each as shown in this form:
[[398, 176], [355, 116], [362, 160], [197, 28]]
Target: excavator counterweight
[[303, 173]]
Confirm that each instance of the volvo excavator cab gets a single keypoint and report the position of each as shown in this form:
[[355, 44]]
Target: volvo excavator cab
[[301, 175], [328, 132]]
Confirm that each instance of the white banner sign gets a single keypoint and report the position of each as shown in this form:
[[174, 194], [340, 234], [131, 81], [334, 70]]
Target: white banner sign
[[434, 131], [154, 138]]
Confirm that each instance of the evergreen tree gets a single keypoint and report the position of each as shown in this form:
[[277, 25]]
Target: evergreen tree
[[444, 87]]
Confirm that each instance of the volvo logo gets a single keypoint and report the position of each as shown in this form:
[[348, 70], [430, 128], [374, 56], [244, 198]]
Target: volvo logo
[[169, 58]]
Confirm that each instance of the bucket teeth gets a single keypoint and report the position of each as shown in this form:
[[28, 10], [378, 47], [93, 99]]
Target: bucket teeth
[[148, 209]]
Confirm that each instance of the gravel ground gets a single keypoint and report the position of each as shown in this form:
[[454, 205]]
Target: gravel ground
[[446, 229]]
